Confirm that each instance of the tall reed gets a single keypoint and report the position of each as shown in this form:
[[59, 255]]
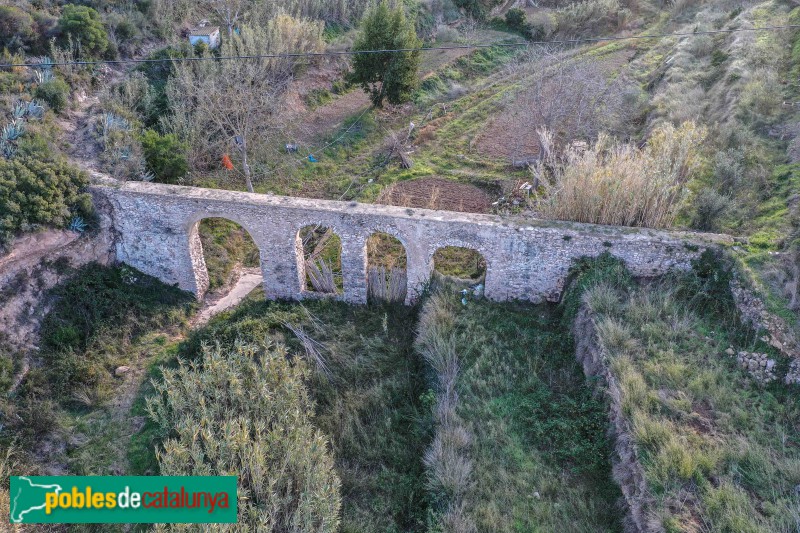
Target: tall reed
[[618, 183]]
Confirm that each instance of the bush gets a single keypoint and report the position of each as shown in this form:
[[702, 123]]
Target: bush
[[477, 9], [516, 20], [591, 17], [83, 24], [34, 192], [256, 413], [54, 93], [165, 156], [709, 206], [95, 316], [16, 28]]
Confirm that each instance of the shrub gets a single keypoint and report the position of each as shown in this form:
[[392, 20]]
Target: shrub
[[709, 206], [83, 24], [619, 184], [34, 192], [95, 316], [16, 28], [477, 9], [165, 156], [256, 413], [591, 17], [54, 92], [516, 20]]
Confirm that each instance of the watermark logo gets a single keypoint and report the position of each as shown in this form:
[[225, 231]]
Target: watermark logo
[[122, 499]]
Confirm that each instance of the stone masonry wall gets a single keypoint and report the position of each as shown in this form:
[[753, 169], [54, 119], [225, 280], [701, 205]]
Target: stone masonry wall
[[526, 260]]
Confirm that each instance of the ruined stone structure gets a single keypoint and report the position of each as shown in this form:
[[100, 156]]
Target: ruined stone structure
[[157, 233]]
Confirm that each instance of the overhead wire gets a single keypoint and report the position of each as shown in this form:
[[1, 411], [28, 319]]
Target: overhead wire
[[333, 53]]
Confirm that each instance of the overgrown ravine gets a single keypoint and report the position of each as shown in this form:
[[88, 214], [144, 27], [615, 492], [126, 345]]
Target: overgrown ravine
[[538, 455]]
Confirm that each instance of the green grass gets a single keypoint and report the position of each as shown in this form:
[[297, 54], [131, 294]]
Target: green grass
[[718, 450], [226, 245], [96, 318], [540, 455]]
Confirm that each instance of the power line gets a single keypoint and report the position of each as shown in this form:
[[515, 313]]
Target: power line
[[399, 50]]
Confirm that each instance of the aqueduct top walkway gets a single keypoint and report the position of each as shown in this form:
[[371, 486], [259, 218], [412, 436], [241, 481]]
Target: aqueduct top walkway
[[156, 228]]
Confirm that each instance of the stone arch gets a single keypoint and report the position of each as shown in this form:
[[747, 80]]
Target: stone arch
[[197, 253], [386, 267], [318, 251], [460, 260]]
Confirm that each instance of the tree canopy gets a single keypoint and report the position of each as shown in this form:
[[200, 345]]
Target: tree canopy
[[390, 76], [35, 192], [83, 24]]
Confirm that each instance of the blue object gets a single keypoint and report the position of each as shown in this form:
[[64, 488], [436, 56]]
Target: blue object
[[312, 159]]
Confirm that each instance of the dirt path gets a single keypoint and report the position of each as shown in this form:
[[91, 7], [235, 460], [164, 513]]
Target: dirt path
[[248, 281]]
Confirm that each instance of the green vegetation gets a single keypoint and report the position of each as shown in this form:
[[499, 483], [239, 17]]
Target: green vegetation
[[521, 445], [89, 331], [55, 93], [165, 156], [226, 247], [461, 263], [256, 414], [367, 386], [717, 448], [387, 76], [39, 193], [83, 24]]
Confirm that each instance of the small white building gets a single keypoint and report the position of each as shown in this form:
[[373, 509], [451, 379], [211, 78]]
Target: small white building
[[205, 34]]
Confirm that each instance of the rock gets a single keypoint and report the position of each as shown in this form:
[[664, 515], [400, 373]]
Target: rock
[[121, 371], [770, 364], [730, 351], [539, 496]]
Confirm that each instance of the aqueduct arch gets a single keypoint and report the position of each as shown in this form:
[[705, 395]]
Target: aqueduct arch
[[526, 260], [197, 253]]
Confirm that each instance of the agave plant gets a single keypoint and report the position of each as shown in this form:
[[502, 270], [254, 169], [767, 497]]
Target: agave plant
[[77, 224], [145, 174], [7, 149], [13, 130], [112, 122], [43, 69], [22, 110]]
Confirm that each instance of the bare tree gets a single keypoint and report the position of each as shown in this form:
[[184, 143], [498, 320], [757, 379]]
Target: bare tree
[[238, 105], [229, 11], [573, 98]]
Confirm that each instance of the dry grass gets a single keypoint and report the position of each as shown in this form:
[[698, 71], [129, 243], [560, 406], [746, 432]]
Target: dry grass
[[619, 184], [387, 284]]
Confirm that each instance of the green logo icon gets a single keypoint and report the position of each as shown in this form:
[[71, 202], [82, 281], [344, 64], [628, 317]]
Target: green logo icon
[[122, 500]]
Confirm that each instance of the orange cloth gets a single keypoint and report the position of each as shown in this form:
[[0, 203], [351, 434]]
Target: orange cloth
[[226, 162]]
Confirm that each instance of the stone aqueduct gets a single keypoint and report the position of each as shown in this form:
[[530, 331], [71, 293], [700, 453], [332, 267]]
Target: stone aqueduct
[[156, 232]]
